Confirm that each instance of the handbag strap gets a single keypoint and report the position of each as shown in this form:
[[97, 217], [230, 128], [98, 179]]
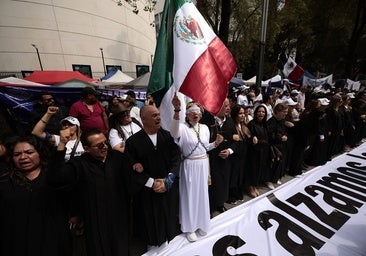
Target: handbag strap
[[74, 148]]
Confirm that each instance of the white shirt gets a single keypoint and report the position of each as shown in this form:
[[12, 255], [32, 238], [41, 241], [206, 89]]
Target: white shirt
[[258, 98], [242, 100], [301, 100], [154, 139], [135, 112], [128, 130], [69, 146]]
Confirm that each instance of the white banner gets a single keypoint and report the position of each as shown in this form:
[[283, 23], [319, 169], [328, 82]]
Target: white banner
[[306, 81], [322, 213], [352, 85]]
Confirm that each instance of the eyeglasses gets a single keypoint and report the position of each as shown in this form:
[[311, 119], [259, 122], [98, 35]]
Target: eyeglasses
[[100, 145]]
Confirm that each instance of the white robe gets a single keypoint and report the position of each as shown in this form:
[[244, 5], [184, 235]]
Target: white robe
[[194, 208]]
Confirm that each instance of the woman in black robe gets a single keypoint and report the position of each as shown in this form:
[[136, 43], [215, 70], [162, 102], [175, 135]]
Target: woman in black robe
[[33, 216], [239, 158], [315, 127], [258, 156], [335, 125], [349, 128]]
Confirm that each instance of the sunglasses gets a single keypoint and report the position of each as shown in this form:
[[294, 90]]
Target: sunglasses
[[100, 145], [49, 100]]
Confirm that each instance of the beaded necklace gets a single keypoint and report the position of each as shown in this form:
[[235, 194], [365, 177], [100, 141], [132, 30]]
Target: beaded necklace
[[128, 133], [198, 140]]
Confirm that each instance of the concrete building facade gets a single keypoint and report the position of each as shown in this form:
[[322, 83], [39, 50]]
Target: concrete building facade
[[74, 34]]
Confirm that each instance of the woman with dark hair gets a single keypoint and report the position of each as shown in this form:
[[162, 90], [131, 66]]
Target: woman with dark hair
[[259, 152], [335, 125], [239, 158], [33, 216], [314, 124], [113, 105], [122, 127], [349, 130]]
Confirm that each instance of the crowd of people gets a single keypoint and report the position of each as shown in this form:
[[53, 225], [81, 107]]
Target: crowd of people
[[110, 174]]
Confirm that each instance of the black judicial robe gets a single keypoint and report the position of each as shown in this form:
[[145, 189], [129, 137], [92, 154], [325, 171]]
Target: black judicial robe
[[276, 129], [259, 156], [103, 192], [33, 219], [335, 126], [220, 168], [158, 212]]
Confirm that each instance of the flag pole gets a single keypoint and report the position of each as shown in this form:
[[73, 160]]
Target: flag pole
[[262, 43]]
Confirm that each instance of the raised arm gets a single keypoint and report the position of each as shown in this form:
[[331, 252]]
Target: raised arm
[[174, 127], [39, 128]]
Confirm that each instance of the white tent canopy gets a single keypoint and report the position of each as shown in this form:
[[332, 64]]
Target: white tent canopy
[[251, 81], [19, 82], [140, 82], [275, 79], [118, 78]]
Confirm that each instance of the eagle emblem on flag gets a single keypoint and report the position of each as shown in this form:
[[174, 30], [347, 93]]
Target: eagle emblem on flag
[[188, 30]]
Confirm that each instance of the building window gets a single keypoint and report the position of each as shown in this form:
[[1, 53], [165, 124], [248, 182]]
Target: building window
[[113, 67], [141, 69], [26, 73], [83, 69]]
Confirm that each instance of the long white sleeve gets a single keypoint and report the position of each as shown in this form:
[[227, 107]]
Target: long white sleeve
[[174, 129]]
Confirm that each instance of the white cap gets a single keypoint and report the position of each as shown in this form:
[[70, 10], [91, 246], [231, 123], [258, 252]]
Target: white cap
[[323, 101], [351, 95], [71, 120], [290, 102], [294, 91], [278, 101], [317, 89], [244, 87]]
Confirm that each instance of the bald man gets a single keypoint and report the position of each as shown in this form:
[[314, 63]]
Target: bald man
[[156, 157]]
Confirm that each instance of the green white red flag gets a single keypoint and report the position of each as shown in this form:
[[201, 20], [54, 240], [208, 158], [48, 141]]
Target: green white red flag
[[190, 59], [292, 70]]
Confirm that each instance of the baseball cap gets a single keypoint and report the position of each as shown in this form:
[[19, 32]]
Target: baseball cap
[[323, 101], [351, 95], [71, 120], [126, 98], [290, 102]]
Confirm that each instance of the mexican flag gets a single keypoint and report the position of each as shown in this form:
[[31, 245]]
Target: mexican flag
[[190, 60], [292, 70]]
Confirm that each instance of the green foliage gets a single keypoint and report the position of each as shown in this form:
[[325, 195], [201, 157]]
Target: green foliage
[[148, 5], [328, 36]]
